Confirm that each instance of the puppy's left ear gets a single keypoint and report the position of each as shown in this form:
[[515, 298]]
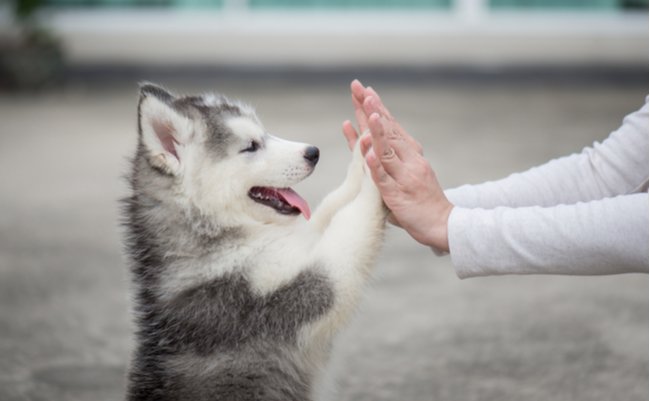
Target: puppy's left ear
[[163, 130]]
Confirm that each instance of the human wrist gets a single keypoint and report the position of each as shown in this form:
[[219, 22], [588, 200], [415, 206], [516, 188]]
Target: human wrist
[[438, 236]]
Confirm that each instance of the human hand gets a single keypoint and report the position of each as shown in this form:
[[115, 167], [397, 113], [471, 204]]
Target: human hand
[[405, 179], [349, 131]]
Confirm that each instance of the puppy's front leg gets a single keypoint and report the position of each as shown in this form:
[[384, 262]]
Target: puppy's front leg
[[341, 196], [349, 248]]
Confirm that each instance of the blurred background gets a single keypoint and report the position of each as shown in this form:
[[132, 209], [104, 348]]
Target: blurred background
[[489, 87]]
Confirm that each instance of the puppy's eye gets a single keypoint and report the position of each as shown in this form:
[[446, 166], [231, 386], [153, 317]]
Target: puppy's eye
[[253, 146]]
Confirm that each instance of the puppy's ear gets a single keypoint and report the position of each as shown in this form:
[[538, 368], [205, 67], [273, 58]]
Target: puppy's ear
[[163, 130]]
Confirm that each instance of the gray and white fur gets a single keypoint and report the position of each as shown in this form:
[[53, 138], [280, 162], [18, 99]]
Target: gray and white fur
[[236, 296]]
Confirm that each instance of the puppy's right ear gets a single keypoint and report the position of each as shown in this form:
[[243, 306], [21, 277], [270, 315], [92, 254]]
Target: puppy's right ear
[[164, 131]]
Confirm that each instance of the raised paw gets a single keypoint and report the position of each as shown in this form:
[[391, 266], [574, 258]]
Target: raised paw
[[358, 164], [370, 191], [358, 153]]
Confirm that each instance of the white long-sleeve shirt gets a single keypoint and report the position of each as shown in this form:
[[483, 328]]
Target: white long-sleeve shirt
[[583, 214]]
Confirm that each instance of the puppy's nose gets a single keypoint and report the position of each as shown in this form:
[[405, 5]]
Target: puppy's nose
[[312, 154]]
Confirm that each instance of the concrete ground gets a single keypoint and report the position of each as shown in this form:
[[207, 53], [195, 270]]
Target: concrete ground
[[420, 334]]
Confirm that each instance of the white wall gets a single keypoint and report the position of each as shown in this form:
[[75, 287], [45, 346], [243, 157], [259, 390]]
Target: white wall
[[466, 35]]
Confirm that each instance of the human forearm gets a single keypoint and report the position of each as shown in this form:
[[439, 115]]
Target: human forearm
[[600, 237]]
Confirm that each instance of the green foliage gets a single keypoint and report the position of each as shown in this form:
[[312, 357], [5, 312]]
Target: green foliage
[[24, 9]]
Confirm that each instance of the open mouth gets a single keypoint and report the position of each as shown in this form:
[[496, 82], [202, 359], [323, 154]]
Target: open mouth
[[283, 200]]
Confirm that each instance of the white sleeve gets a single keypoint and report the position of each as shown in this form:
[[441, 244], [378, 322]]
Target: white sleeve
[[606, 236], [617, 166]]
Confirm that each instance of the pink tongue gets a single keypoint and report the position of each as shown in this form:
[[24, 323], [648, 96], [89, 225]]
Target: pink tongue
[[295, 200]]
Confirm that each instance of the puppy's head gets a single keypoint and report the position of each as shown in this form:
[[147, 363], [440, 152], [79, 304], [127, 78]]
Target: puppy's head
[[215, 156]]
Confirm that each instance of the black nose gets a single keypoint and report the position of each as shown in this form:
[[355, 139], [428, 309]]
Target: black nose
[[312, 154]]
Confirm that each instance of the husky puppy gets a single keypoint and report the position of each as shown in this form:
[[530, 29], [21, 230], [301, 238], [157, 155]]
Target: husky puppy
[[237, 296]]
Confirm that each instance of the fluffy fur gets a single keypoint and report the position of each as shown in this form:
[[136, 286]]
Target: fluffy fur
[[236, 299]]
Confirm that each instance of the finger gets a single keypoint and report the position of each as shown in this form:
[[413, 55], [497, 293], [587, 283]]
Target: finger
[[361, 117], [379, 138], [350, 134], [370, 106], [403, 143], [373, 103], [377, 172], [377, 103], [357, 101], [397, 140], [366, 144], [406, 144], [383, 149], [358, 90]]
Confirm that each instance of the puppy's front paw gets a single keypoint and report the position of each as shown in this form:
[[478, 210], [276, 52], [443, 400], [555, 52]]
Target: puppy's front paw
[[357, 165], [370, 191], [358, 153]]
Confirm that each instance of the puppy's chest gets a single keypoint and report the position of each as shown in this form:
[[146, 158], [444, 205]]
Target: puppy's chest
[[228, 312]]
